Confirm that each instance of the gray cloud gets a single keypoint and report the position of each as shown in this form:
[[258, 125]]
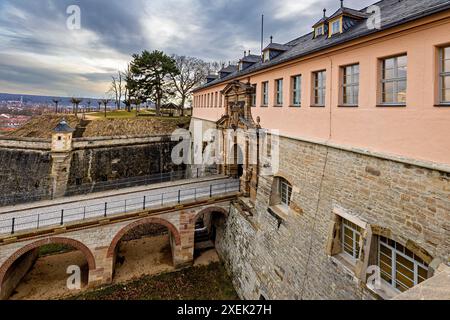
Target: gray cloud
[[39, 55]]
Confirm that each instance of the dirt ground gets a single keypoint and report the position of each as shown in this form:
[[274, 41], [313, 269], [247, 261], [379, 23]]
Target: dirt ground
[[146, 256]]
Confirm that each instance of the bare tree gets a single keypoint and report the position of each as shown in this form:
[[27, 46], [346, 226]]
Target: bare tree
[[215, 66], [56, 102], [192, 73], [105, 103], [76, 102], [117, 88]]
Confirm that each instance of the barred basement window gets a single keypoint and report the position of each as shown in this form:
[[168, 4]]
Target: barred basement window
[[400, 268], [285, 192], [351, 236]]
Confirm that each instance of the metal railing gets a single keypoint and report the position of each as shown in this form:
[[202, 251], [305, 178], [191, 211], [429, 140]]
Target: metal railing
[[115, 208], [93, 187]]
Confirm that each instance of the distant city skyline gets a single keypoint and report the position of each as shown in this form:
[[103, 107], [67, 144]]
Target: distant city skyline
[[40, 55]]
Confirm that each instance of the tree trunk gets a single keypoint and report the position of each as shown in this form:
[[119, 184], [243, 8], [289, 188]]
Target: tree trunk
[[183, 101]]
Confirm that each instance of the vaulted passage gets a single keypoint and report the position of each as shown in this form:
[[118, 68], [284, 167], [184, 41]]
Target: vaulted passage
[[39, 270], [143, 250], [207, 224], [143, 247]]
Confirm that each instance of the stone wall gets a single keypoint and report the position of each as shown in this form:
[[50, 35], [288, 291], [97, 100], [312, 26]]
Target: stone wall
[[410, 204], [24, 174], [30, 171], [98, 164]]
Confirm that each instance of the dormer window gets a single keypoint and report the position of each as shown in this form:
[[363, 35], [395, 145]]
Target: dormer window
[[266, 55], [336, 27], [319, 31]]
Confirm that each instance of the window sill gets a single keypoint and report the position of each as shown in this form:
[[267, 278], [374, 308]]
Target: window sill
[[391, 105], [342, 261], [442, 105], [385, 292], [264, 106], [278, 106], [295, 106], [317, 106], [348, 106], [279, 212]]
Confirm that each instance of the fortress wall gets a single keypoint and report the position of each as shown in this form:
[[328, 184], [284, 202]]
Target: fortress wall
[[407, 203], [26, 163]]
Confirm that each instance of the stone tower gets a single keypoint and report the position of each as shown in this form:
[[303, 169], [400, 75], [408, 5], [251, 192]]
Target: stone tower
[[61, 157]]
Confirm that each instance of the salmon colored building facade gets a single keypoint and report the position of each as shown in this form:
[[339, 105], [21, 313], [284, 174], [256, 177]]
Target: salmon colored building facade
[[360, 187], [417, 129]]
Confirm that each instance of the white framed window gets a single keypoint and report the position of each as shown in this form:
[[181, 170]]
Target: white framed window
[[285, 192], [394, 80], [319, 88], [350, 85], [336, 27], [444, 75], [319, 31], [265, 93], [279, 92], [254, 95], [351, 236], [296, 90], [400, 268], [266, 55]]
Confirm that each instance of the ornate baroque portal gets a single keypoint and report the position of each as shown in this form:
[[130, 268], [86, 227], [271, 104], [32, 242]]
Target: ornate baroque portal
[[240, 135]]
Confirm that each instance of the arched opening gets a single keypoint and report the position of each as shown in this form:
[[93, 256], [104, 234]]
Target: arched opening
[[39, 270], [209, 227], [281, 194], [238, 161], [143, 248]]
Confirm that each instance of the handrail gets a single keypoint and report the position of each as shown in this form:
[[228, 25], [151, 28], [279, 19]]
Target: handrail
[[87, 188], [113, 208]]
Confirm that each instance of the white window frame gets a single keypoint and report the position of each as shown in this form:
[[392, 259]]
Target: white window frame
[[297, 90], [254, 95], [346, 224], [279, 92], [319, 88], [334, 24], [443, 75], [285, 192], [395, 80], [393, 266], [265, 94], [319, 31], [353, 86]]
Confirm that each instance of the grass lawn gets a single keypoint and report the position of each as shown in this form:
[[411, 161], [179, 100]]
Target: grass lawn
[[198, 283], [122, 114]]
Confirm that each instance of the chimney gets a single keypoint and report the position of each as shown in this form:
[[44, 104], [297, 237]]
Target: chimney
[[342, 3]]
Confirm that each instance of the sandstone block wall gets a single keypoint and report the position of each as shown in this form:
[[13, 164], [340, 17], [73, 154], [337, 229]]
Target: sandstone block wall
[[290, 261]]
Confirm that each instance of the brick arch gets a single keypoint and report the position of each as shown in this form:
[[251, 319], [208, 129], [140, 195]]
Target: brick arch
[[131, 226], [54, 240], [210, 210]]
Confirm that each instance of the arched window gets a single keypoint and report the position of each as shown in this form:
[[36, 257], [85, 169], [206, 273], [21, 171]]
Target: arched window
[[400, 268]]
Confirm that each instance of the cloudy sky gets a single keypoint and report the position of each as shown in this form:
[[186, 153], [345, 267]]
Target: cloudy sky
[[39, 54]]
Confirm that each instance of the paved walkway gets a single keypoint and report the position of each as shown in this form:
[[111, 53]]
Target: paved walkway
[[104, 204]]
